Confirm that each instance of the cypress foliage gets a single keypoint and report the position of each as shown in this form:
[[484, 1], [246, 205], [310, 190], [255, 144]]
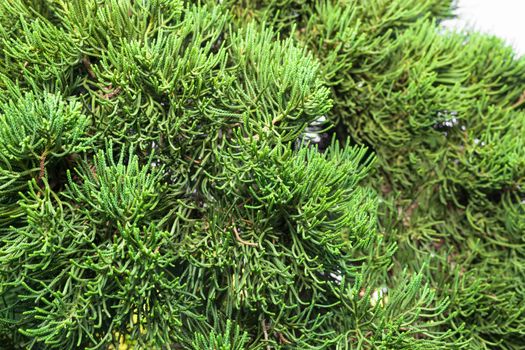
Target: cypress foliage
[[443, 112], [157, 190]]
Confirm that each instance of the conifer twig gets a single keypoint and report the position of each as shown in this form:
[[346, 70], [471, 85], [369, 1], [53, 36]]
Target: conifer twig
[[42, 166], [238, 237], [282, 339], [408, 213], [87, 64], [265, 333], [112, 93], [520, 101]]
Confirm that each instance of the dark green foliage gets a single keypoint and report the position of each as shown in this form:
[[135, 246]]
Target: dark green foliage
[[444, 113], [225, 341], [153, 191], [93, 259], [36, 133]]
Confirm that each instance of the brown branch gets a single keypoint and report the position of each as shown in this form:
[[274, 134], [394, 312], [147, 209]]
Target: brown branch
[[93, 170], [520, 101], [112, 94], [408, 213], [282, 339], [190, 159], [265, 333], [42, 166], [87, 64], [238, 237]]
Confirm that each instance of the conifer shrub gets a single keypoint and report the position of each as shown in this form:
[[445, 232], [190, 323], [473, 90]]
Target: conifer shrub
[[157, 189], [443, 112]]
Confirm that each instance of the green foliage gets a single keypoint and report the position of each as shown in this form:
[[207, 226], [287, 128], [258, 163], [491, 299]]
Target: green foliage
[[224, 341], [154, 190], [32, 127], [443, 111], [36, 134], [93, 259], [284, 227]]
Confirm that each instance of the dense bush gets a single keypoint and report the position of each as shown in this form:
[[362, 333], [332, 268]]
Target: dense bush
[[443, 112], [157, 188]]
